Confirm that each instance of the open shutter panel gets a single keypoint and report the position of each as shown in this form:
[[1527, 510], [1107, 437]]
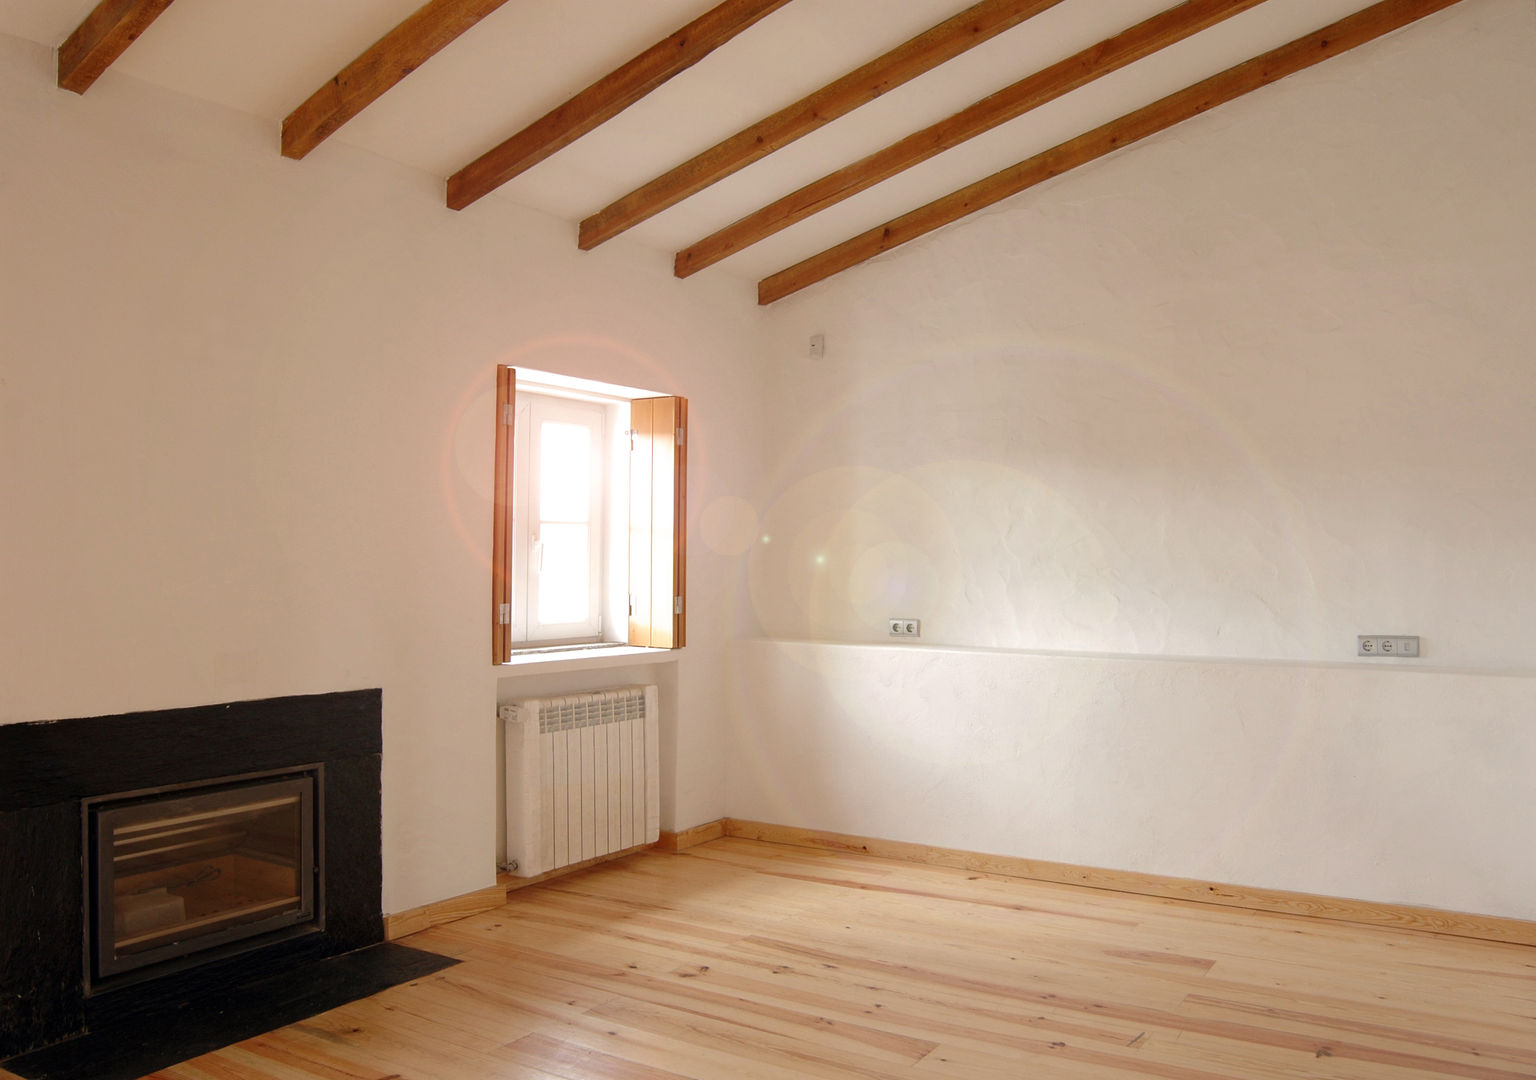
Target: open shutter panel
[[640, 468], [658, 512], [501, 512], [679, 606]]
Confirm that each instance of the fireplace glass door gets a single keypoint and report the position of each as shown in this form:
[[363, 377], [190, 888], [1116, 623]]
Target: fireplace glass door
[[185, 871]]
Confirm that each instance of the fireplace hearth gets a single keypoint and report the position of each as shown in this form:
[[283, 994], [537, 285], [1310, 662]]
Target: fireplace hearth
[[151, 858]]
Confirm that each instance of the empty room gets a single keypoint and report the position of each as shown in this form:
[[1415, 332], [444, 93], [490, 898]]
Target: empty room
[[767, 538]]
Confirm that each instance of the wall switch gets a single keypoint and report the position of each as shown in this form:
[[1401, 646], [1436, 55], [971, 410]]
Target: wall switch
[[1387, 645], [906, 627], [818, 346]]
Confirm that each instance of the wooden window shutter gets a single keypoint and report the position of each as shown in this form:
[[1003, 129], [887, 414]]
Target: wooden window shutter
[[501, 512], [658, 512]]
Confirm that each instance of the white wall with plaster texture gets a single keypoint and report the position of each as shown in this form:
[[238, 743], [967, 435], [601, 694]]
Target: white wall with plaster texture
[[1394, 786], [1145, 448], [246, 421]]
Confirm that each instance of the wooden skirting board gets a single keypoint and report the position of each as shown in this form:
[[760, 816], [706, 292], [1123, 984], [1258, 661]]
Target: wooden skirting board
[[493, 896], [1337, 909], [699, 834], [512, 884], [1401, 916], [455, 907]]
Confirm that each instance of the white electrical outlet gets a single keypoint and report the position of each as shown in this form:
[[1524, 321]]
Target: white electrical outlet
[[906, 627], [1388, 645]]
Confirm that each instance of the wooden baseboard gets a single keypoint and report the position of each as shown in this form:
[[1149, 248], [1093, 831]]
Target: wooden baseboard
[[481, 900], [1337, 909], [699, 834], [1399, 916], [455, 907], [511, 883]]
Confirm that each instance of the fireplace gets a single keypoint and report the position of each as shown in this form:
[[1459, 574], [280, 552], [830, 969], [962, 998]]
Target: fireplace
[[190, 871], [152, 859]]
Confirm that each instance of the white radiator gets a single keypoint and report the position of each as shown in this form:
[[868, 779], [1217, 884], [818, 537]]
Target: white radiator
[[582, 777]]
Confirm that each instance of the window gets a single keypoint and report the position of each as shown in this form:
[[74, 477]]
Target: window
[[590, 501], [558, 494]]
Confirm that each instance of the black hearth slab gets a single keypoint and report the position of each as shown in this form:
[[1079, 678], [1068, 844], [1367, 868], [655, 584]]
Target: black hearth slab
[[128, 1051], [46, 763]]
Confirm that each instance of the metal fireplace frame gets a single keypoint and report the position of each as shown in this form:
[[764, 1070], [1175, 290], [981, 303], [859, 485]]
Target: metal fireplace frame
[[104, 971]]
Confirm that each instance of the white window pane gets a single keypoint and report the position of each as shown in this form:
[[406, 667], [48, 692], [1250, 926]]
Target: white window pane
[[565, 462], [565, 578]]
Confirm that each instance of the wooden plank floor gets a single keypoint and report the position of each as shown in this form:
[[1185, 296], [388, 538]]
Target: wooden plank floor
[[753, 960]]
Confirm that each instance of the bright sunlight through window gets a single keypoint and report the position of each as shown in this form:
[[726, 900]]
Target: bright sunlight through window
[[562, 570]]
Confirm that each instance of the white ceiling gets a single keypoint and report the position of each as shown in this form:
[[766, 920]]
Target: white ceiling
[[264, 57]]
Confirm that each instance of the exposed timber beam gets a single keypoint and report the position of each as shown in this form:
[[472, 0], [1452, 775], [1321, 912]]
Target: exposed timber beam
[[1048, 84], [928, 50], [101, 39], [385, 63], [1339, 37], [605, 99]]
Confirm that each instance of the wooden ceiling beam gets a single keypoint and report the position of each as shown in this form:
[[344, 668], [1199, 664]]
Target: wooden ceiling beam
[[1339, 37], [101, 38], [928, 50], [1145, 38], [385, 63], [605, 99]]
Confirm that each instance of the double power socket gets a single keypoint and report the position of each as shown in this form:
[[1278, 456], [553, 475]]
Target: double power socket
[[1382, 645], [906, 627]]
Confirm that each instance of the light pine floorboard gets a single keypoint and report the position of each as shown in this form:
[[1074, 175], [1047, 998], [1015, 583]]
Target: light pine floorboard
[[766, 962]]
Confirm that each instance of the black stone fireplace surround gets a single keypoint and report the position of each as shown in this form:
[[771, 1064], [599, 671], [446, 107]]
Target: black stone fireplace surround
[[47, 769]]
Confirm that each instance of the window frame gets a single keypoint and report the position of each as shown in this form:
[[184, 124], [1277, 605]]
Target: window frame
[[657, 459]]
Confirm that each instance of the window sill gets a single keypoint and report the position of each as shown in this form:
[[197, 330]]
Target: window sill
[[544, 663]]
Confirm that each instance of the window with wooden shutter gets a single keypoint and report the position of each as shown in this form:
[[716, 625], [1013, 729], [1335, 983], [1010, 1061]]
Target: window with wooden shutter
[[532, 570]]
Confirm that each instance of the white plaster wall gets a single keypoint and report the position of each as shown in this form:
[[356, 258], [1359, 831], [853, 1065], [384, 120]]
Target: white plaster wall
[[245, 435], [1244, 391], [1396, 786]]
